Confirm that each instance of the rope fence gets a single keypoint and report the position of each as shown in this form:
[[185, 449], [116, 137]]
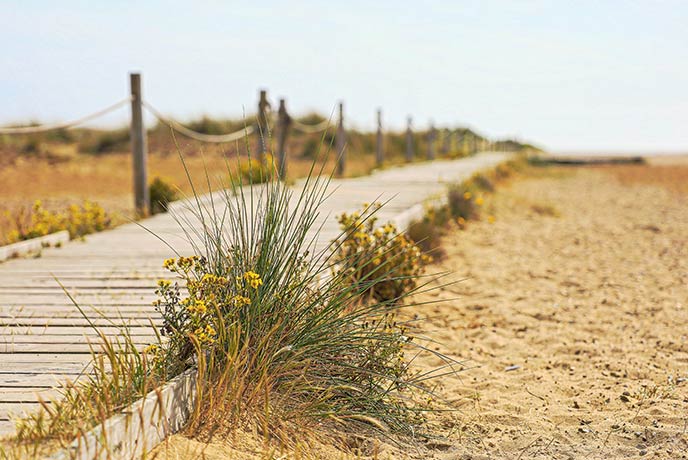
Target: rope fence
[[66, 124], [311, 129], [261, 128], [211, 138]]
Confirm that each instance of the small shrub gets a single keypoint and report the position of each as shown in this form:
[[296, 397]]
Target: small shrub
[[366, 250], [32, 146], [462, 202], [310, 148], [483, 182], [254, 171], [161, 193], [426, 235], [61, 135], [109, 141]]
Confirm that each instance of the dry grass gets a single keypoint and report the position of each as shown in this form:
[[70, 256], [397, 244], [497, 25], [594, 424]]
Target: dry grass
[[670, 173], [107, 179]]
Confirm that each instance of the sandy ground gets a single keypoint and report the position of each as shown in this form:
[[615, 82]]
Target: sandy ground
[[572, 317]]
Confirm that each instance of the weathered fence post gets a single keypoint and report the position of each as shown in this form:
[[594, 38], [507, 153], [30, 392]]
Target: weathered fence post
[[379, 148], [446, 139], [409, 140], [431, 141], [284, 121], [263, 126], [340, 140], [138, 148]]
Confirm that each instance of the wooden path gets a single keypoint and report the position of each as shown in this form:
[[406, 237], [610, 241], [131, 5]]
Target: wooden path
[[44, 340]]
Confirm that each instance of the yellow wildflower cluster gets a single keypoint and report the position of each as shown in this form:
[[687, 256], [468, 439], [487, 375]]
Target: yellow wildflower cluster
[[78, 220], [210, 300], [205, 334], [380, 255], [197, 307], [182, 265], [240, 301], [253, 279]]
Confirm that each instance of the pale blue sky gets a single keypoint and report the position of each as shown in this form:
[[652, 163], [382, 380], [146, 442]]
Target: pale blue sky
[[568, 75]]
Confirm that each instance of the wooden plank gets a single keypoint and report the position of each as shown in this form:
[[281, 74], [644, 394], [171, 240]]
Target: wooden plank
[[78, 321], [11, 411], [47, 357], [29, 394], [44, 368], [50, 339], [56, 381], [17, 348], [9, 331], [6, 427]]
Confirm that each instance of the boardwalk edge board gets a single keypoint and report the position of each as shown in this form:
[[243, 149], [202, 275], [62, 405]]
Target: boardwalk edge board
[[22, 248], [139, 427]]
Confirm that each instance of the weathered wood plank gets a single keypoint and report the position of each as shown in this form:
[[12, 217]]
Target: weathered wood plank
[[10, 411], [51, 339], [44, 330]]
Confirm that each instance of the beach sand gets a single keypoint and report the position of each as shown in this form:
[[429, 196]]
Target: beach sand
[[570, 312]]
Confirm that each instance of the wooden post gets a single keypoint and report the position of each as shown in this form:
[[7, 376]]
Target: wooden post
[[446, 139], [284, 121], [431, 141], [138, 148], [340, 142], [379, 148], [263, 125], [409, 140]]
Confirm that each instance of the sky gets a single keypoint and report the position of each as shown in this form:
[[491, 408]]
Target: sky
[[584, 75]]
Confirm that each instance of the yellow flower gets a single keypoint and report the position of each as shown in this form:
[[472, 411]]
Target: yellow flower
[[197, 306], [253, 279], [461, 221], [240, 300], [164, 284], [168, 264], [491, 219], [479, 201], [467, 196], [203, 335], [152, 349]]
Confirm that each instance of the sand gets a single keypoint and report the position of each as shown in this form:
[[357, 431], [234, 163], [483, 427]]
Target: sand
[[571, 315]]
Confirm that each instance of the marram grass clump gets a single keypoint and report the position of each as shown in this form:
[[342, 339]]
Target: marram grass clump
[[284, 330]]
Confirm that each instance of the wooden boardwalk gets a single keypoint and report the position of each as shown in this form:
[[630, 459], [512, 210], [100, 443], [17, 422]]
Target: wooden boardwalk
[[44, 340]]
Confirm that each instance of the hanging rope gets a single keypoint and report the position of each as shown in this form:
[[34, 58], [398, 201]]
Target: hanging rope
[[310, 129], [215, 138], [67, 124]]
